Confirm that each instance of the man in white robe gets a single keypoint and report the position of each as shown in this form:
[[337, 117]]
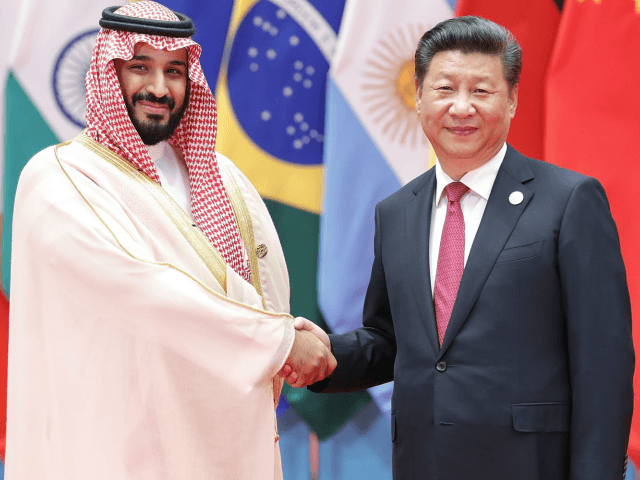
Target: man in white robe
[[149, 292]]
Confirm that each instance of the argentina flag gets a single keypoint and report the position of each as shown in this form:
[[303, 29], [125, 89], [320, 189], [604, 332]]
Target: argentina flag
[[373, 145]]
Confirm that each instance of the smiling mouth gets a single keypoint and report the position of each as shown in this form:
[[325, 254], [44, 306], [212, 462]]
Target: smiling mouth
[[462, 131], [154, 108]]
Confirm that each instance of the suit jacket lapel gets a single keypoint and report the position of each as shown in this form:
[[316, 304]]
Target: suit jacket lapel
[[499, 219], [417, 228]]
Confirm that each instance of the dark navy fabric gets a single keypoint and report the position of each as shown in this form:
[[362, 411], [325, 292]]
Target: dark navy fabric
[[534, 378]]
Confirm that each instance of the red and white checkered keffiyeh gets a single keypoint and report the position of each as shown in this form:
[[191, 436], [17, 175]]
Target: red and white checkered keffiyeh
[[108, 123]]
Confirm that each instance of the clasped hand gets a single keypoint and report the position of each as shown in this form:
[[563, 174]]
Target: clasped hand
[[310, 359]]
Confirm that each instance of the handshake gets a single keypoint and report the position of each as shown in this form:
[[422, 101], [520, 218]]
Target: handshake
[[310, 359]]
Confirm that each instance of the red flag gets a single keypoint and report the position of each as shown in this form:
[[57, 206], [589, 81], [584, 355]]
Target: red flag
[[534, 24], [593, 121], [4, 343]]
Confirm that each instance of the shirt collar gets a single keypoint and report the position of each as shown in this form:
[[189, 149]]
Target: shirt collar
[[158, 151], [479, 180]]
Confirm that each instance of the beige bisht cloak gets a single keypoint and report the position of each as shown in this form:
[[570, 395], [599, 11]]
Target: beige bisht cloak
[[134, 351]]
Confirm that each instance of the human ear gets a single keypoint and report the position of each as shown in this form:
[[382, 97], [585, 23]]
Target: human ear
[[513, 101], [418, 96]]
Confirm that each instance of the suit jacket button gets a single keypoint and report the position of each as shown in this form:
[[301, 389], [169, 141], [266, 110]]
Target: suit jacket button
[[441, 366]]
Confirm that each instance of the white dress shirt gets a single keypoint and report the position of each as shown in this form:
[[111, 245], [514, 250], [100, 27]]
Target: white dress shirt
[[480, 182], [173, 174], [174, 177]]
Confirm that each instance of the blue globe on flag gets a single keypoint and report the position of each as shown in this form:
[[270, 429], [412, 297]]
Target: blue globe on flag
[[276, 80]]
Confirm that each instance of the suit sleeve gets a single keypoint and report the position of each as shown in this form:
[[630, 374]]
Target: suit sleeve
[[600, 346], [366, 356]]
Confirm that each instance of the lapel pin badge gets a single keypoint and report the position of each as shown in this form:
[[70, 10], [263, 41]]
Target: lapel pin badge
[[516, 198], [261, 250]]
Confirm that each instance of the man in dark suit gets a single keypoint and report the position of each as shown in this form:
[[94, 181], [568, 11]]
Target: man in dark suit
[[498, 299]]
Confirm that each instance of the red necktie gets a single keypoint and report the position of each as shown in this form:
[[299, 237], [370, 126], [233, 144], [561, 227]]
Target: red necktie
[[450, 258]]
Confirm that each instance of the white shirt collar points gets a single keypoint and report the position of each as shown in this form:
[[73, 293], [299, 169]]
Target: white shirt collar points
[[480, 181]]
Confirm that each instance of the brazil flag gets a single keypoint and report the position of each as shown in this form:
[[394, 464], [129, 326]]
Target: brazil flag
[[271, 110]]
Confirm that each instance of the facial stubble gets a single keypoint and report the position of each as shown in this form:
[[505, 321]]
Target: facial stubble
[[151, 129]]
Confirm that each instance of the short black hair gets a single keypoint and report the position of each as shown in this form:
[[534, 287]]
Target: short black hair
[[470, 35]]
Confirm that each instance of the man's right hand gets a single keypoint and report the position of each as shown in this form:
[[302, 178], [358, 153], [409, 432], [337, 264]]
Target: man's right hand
[[302, 323], [309, 361]]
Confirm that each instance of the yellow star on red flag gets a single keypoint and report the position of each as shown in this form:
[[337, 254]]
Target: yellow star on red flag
[[637, 2]]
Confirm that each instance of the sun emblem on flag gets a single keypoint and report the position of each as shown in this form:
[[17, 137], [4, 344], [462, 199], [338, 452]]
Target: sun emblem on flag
[[388, 86]]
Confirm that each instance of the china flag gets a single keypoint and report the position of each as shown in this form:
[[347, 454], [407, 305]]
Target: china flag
[[593, 122], [534, 23]]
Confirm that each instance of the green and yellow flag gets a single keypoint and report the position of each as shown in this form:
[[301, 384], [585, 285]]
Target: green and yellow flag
[[271, 113]]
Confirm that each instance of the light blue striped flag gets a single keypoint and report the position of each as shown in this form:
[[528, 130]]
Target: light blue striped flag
[[374, 145]]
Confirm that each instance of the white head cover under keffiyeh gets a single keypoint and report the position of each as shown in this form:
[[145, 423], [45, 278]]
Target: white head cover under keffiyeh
[[108, 123]]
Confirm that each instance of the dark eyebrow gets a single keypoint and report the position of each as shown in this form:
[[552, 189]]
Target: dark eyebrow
[[475, 78], [147, 58], [178, 62]]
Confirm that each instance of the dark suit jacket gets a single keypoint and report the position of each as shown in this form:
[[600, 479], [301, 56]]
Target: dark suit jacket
[[534, 378]]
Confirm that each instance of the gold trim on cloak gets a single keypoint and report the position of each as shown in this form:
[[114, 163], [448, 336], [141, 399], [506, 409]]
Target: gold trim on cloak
[[213, 260], [245, 225]]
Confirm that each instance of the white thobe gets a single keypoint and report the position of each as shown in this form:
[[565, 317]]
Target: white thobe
[[130, 357]]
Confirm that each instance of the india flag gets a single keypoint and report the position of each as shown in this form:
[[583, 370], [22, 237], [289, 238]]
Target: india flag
[[374, 145], [44, 93]]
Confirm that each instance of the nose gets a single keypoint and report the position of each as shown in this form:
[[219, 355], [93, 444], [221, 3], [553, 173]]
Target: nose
[[157, 84], [462, 105]]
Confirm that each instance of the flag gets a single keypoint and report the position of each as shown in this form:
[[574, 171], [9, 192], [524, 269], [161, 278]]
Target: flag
[[9, 16], [592, 119], [44, 93], [271, 108], [10, 13], [534, 24], [361, 449], [374, 145], [211, 20], [4, 344]]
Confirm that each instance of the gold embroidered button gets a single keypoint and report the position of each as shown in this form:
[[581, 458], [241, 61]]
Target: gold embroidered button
[[261, 250]]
